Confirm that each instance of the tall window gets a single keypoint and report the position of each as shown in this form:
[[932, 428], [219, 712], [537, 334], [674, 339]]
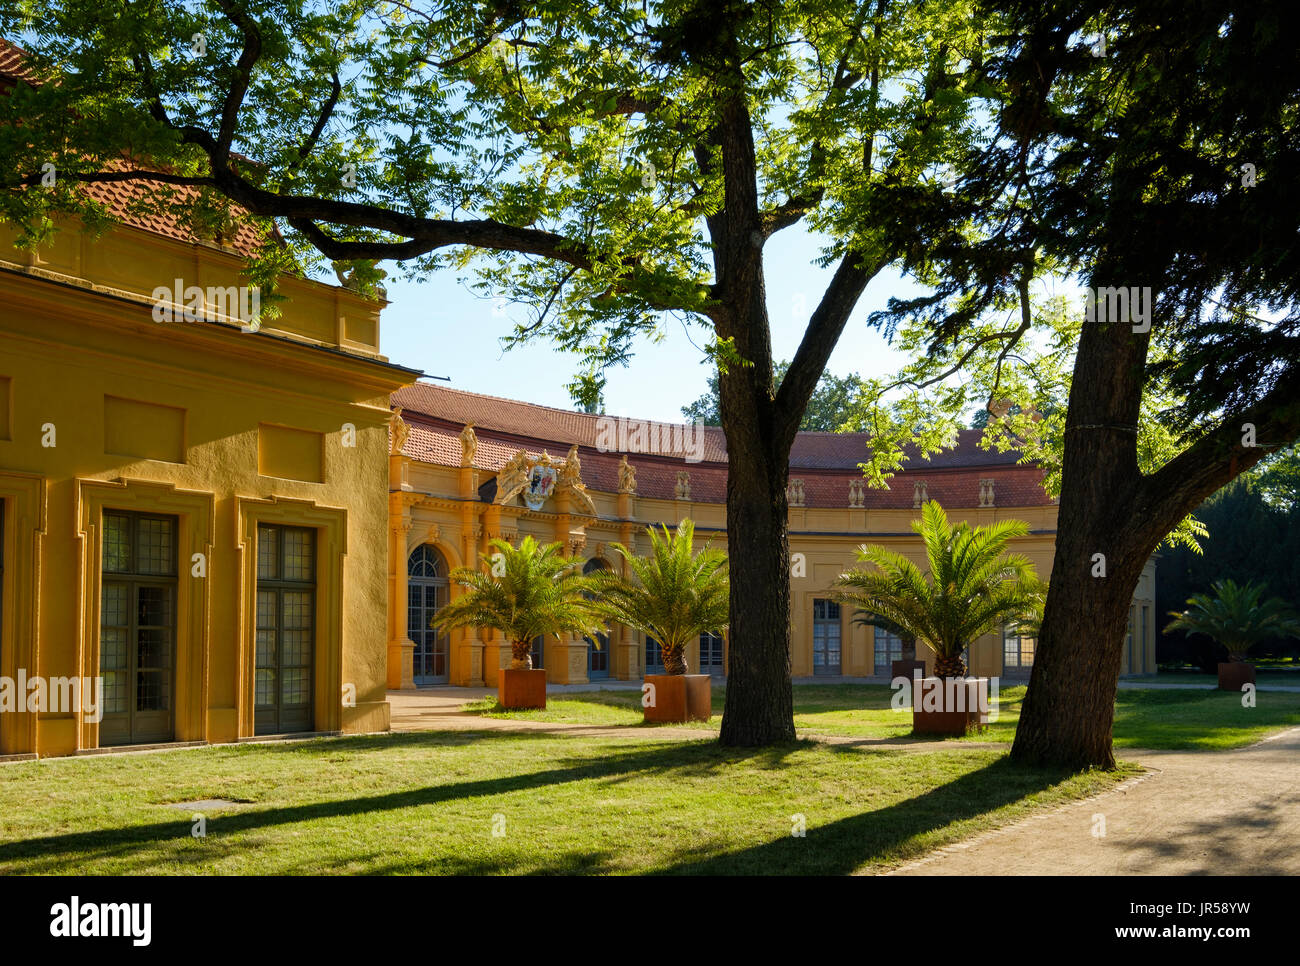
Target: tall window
[[1142, 658], [286, 631], [710, 653], [1128, 641], [427, 590], [889, 648], [597, 656], [826, 637], [137, 627], [538, 651], [1017, 651], [654, 656]]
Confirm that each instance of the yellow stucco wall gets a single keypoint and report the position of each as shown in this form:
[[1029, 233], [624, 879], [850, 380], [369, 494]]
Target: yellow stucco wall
[[221, 429], [439, 505]]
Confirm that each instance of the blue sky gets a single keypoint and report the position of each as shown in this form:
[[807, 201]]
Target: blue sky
[[443, 328]]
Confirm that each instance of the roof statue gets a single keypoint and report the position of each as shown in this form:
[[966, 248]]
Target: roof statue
[[468, 445], [400, 432], [626, 476], [571, 480]]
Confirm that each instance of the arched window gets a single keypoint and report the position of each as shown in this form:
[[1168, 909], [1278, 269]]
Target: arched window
[[425, 561], [428, 590], [597, 657]]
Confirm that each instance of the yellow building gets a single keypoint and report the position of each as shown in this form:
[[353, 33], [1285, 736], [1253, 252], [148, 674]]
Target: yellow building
[[467, 468], [190, 511]]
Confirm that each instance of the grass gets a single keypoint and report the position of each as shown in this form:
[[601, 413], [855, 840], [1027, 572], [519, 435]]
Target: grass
[[1144, 718], [427, 803], [1265, 674]]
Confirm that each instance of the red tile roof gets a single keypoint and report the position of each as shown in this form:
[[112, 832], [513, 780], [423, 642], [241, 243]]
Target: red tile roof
[[826, 462], [13, 64], [141, 204]]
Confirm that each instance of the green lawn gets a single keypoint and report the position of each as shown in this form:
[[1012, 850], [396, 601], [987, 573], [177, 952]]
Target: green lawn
[[1154, 718], [427, 803], [1192, 676]]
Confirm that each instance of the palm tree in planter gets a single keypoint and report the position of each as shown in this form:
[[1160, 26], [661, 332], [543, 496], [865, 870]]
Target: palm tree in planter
[[1235, 616], [674, 595], [973, 586], [524, 592]]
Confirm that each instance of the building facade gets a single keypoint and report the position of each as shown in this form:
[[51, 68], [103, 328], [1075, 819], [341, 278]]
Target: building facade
[[191, 507], [466, 468]]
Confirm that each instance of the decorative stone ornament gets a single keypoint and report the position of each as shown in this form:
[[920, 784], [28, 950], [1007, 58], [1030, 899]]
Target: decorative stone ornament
[[512, 478], [986, 493], [857, 494], [794, 493], [468, 445], [683, 485], [919, 495], [400, 433], [626, 476]]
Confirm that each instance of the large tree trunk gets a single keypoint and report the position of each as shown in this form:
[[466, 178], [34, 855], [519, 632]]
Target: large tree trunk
[[760, 422], [1069, 708], [759, 707]]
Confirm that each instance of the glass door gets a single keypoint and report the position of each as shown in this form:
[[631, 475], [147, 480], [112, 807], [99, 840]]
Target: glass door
[[137, 628]]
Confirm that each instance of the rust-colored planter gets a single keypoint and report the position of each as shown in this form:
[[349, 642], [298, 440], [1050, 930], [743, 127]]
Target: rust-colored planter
[[522, 689], [905, 669], [949, 707], [1233, 674], [679, 697]]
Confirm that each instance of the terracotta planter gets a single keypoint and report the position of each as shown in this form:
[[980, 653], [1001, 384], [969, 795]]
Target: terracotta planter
[[1233, 674], [679, 697], [949, 707], [904, 669], [522, 689]]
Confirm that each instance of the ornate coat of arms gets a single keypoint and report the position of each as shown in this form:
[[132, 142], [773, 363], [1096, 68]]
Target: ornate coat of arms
[[541, 483], [535, 480]]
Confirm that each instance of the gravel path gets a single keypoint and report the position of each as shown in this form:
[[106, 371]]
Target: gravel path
[[1192, 813]]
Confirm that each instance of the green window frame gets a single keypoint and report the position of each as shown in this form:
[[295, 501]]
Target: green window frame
[[285, 648]]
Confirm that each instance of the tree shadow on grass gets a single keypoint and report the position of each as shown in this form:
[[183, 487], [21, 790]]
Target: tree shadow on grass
[[615, 762], [846, 845]]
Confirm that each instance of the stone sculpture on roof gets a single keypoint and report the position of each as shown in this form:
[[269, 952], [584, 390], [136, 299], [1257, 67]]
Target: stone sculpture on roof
[[468, 445], [571, 480], [512, 478], [400, 432], [626, 476]]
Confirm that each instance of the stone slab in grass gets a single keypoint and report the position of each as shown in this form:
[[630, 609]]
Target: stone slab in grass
[[206, 804]]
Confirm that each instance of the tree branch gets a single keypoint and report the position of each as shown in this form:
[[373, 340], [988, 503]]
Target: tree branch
[[327, 109], [1177, 488], [243, 74], [824, 330]]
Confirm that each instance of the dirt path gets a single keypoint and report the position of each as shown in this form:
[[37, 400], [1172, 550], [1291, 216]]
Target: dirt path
[[440, 711], [1192, 813]]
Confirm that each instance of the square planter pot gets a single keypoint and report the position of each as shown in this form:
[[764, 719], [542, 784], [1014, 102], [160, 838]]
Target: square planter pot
[[522, 689], [680, 697], [904, 669], [1233, 674], [949, 707]]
